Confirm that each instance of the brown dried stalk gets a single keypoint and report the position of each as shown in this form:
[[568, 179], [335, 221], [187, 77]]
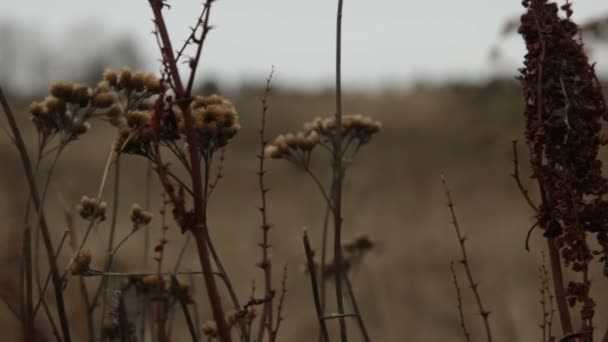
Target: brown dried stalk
[[183, 98], [55, 276], [465, 262]]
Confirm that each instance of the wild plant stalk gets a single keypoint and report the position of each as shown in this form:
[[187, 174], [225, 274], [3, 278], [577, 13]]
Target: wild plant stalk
[[338, 177], [55, 276], [183, 98]]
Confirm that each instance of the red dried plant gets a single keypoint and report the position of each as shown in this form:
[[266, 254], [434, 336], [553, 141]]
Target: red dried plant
[[564, 111]]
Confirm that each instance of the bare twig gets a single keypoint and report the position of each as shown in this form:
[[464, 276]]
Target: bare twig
[[466, 333], [465, 262]]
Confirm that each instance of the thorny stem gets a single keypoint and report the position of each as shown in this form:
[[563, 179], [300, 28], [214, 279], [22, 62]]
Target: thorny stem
[[199, 197], [466, 333], [465, 262], [266, 319], [281, 302], [338, 175], [56, 278]]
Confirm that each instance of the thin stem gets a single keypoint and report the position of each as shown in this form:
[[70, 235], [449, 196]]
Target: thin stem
[[57, 283], [109, 254], [338, 176], [315, 288], [324, 257], [353, 301], [465, 331]]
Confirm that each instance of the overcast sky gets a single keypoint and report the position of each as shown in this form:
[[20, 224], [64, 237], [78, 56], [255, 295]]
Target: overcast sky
[[386, 42]]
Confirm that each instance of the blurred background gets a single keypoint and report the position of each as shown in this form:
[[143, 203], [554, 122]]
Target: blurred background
[[440, 75]]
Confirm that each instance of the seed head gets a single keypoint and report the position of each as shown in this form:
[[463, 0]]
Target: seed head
[[62, 89], [137, 80], [209, 329], [81, 262], [110, 77], [105, 99], [125, 79], [139, 217]]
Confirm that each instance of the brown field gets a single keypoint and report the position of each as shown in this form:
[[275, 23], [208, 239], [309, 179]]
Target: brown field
[[393, 193]]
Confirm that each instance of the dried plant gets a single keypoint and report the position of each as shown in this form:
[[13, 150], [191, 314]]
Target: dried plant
[[564, 113]]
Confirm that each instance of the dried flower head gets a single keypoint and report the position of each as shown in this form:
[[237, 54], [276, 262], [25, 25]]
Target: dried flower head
[[139, 217], [104, 99], [135, 137], [209, 328], [81, 262], [110, 77], [90, 210], [125, 78], [62, 89]]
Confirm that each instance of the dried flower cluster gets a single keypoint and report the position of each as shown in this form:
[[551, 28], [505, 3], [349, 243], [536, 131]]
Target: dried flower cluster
[[126, 100], [298, 147], [355, 127], [90, 210], [215, 121], [65, 112], [564, 113]]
